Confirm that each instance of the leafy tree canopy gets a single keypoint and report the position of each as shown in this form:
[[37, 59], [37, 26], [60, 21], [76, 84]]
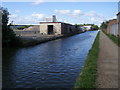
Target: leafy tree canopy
[[8, 36], [103, 25]]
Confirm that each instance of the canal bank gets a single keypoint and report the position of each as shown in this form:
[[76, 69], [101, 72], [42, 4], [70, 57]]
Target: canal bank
[[27, 41], [87, 78]]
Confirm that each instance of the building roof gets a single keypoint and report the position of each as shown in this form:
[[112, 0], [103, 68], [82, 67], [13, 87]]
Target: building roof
[[54, 22], [49, 22], [118, 13], [114, 21]]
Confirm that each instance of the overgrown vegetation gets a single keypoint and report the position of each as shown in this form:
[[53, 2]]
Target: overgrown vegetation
[[114, 38], [23, 27], [9, 38], [103, 25], [94, 27], [87, 76]]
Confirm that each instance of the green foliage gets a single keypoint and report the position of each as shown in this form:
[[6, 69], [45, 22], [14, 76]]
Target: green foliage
[[8, 36], [87, 77], [114, 38], [93, 27], [103, 25], [85, 24]]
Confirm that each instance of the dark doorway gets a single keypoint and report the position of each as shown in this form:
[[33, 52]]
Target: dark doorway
[[70, 29], [50, 29]]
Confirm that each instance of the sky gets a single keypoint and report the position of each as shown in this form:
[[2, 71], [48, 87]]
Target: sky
[[68, 12]]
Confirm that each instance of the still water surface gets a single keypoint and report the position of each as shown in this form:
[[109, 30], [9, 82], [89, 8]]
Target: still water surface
[[53, 64]]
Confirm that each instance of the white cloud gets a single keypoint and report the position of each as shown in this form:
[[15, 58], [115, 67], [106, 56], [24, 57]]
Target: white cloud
[[62, 11], [114, 17], [17, 11], [72, 0], [13, 16], [59, 19], [77, 16], [77, 12], [94, 14], [38, 15], [69, 12], [96, 20], [110, 18], [82, 17], [34, 18], [37, 2], [95, 17]]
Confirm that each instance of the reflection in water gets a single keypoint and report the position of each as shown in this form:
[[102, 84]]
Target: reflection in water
[[53, 64]]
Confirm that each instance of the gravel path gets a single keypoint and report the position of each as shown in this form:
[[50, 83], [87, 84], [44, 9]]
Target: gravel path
[[107, 65]]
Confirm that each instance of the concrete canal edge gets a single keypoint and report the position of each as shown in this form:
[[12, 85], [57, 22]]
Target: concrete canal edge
[[32, 42], [87, 77]]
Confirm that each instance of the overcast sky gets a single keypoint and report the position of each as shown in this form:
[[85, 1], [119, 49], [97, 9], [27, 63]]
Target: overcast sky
[[69, 12]]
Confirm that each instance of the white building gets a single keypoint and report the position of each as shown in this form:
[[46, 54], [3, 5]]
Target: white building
[[88, 27], [83, 28], [57, 28]]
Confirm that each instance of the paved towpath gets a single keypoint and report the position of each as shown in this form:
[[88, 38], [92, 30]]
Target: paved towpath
[[107, 65]]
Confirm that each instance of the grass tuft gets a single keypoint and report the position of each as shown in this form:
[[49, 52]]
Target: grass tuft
[[87, 76]]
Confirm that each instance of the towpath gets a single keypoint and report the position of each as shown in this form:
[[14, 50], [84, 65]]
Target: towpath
[[107, 65]]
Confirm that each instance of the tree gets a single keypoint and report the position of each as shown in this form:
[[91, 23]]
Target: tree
[[103, 25], [94, 27], [8, 36]]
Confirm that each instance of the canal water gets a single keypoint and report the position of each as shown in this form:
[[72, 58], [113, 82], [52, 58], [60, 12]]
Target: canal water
[[54, 64]]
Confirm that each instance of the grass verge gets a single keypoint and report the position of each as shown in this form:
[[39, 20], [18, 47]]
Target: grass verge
[[113, 38], [87, 76]]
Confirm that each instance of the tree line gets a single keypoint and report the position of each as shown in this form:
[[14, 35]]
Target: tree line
[[93, 26], [23, 27]]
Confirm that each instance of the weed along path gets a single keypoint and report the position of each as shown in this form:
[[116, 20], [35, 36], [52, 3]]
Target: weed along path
[[107, 64]]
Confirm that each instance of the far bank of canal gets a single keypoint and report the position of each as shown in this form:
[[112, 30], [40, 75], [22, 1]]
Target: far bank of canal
[[52, 64]]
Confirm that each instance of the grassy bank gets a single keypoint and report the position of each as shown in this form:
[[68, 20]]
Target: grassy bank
[[113, 38], [87, 76]]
